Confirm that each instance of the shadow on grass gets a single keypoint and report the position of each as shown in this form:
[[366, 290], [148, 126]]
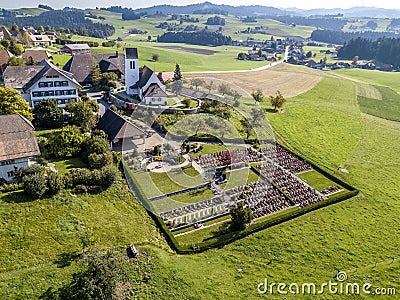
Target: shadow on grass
[[65, 259], [17, 197], [271, 110]]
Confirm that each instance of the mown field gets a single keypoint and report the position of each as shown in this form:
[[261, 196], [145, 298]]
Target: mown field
[[233, 27], [359, 236]]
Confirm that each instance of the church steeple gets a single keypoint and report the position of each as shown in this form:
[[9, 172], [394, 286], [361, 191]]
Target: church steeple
[[131, 70]]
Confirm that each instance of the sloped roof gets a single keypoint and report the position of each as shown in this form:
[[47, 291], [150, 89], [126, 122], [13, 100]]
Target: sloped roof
[[37, 55], [131, 53], [116, 127], [23, 77], [144, 77], [81, 64], [18, 76], [17, 138], [39, 38], [5, 56], [154, 91], [77, 46]]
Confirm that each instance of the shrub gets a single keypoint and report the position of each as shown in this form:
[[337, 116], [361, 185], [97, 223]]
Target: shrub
[[105, 176], [98, 161], [35, 185], [55, 183], [81, 189], [66, 143], [80, 176], [10, 187]]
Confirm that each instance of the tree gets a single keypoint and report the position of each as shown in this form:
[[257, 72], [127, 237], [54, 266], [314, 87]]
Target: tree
[[41, 29], [177, 73], [48, 114], [103, 276], [257, 115], [196, 82], [277, 101], [223, 88], [17, 61], [309, 54], [355, 60], [106, 81], [11, 102], [155, 57], [66, 143], [82, 115], [149, 38], [240, 217], [35, 185], [95, 72], [176, 86], [258, 95], [223, 111]]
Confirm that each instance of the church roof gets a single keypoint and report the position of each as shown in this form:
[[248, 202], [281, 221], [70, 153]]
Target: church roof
[[144, 77], [131, 53]]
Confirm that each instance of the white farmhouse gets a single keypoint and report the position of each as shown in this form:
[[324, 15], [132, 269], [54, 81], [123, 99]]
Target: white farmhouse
[[42, 81], [17, 145], [143, 83]]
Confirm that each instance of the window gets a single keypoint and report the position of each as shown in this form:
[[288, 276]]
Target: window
[[10, 174], [35, 94], [7, 162], [64, 83], [59, 93], [132, 65], [46, 84]]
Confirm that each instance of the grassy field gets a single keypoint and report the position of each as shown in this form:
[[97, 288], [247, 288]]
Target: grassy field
[[359, 236], [233, 26], [387, 107], [239, 177], [316, 180], [389, 79], [64, 165]]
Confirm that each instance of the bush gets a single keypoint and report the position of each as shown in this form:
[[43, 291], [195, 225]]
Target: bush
[[66, 143], [80, 176], [105, 176], [55, 183], [35, 185], [98, 161], [9, 187], [81, 189]]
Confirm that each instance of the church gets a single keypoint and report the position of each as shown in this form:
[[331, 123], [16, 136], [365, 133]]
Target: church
[[143, 83]]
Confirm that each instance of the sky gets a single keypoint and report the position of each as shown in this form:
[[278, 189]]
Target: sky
[[305, 4]]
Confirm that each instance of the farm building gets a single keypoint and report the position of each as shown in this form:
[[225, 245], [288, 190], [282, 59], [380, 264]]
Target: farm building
[[75, 48], [18, 145]]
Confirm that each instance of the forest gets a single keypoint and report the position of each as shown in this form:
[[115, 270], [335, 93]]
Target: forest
[[196, 38], [74, 20], [339, 37], [384, 50]]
